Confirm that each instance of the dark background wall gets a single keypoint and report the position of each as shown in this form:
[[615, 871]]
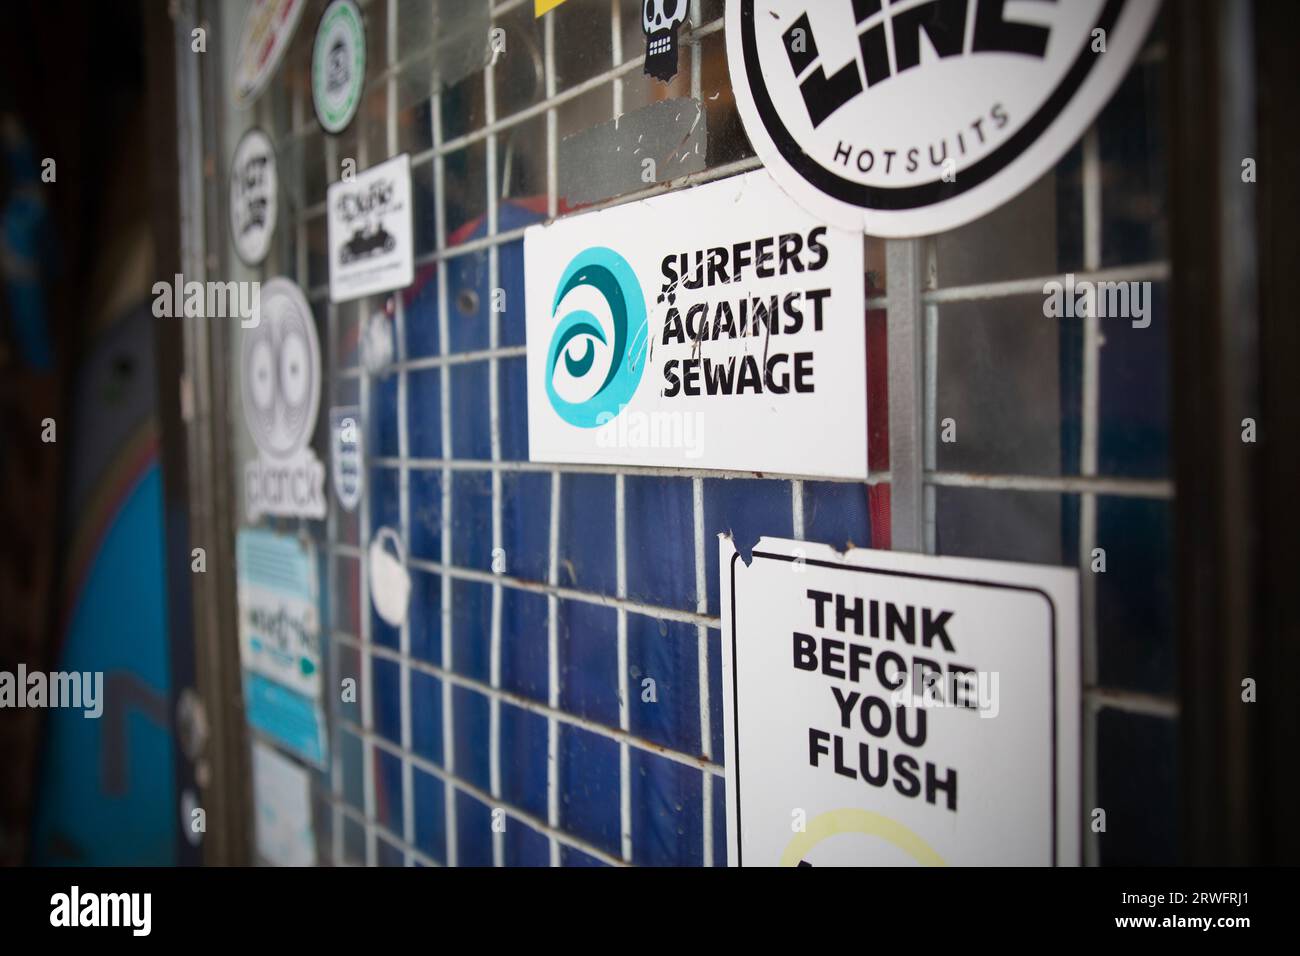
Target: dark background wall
[[76, 254]]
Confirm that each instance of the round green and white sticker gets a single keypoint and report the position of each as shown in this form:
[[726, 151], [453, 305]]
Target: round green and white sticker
[[338, 65]]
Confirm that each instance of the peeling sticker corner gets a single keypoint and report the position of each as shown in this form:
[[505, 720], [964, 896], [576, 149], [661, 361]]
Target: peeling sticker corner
[[727, 547]]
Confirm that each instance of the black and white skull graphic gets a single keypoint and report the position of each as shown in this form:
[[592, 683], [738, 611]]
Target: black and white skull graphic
[[660, 20]]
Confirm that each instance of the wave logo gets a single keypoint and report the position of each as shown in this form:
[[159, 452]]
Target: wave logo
[[573, 352]]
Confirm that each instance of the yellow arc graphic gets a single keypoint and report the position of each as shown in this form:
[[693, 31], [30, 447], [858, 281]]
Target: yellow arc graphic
[[542, 6], [852, 820]]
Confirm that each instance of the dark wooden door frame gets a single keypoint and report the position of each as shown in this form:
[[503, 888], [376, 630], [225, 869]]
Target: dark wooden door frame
[[1234, 356], [1278, 473]]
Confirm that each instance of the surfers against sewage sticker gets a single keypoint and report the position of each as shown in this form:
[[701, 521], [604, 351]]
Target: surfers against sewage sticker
[[916, 116], [717, 327]]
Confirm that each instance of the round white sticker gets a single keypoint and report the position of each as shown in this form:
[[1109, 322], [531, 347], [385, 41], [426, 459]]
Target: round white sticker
[[281, 378], [912, 117], [253, 196], [338, 65], [268, 28], [390, 582]]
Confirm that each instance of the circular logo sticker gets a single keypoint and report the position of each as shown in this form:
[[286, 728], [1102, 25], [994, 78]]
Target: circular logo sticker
[[584, 392], [253, 192], [338, 65], [268, 28], [916, 116], [281, 376]]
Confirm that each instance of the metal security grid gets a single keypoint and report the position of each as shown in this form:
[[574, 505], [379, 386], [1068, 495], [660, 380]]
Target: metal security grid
[[448, 571], [913, 302]]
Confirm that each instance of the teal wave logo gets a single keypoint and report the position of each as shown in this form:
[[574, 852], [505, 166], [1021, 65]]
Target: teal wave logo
[[575, 337]]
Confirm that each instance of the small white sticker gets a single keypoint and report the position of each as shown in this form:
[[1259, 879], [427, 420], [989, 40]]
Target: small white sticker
[[370, 242], [883, 708], [338, 65], [716, 327], [282, 793], [254, 193], [390, 582], [378, 344], [348, 471]]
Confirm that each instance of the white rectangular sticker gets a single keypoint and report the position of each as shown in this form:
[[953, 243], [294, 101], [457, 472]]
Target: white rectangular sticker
[[885, 708], [282, 794], [371, 247], [717, 327]]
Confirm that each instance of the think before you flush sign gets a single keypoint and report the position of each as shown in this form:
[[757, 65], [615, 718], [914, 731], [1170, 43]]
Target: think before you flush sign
[[884, 708], [717, 327]]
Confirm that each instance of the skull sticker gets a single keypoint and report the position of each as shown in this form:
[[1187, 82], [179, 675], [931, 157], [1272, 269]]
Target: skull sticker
[[660, 20]]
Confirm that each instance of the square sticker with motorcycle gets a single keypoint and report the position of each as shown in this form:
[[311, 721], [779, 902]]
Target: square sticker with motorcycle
[[371, 244]]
